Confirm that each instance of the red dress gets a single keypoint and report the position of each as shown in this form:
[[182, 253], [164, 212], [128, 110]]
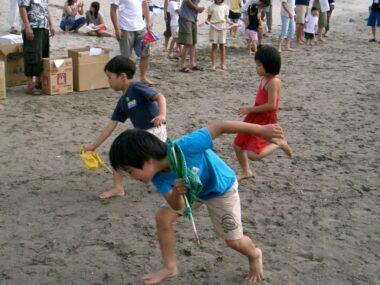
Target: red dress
[[252, 142]]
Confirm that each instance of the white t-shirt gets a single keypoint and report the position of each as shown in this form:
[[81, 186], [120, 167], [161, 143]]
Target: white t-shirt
[[130, 14], [291, 7], [310, 23], [174, 16]]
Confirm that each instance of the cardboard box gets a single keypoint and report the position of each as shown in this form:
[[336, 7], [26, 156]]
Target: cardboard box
[[14, 64], [3, 89], [88, 68], [57, 75]]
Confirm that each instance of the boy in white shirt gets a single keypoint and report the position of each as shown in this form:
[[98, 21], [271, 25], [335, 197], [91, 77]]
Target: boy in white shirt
[[311, 21], [173, 9]]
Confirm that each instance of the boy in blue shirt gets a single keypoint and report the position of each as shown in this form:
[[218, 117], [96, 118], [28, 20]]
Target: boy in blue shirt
[[145, 158], [145, 107]]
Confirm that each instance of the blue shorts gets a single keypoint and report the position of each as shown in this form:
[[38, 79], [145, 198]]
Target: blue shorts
[[374, 17]]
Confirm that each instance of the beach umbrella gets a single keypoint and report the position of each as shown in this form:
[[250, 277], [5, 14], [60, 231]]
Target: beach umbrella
[[92, 160], [177, 164]]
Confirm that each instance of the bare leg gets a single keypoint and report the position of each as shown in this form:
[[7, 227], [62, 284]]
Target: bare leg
[[171, 47], [254, 46], [242, 157], [280, 45], [214, 47], [288, 48], [192, 56], [222, 49], [374, 32], [166, 43], [260, 33], [185, 51], [92, 34], [246, 247], [118, 187], [269, 149], [106, 34], [165, 218], [320, 31], [144, 63]]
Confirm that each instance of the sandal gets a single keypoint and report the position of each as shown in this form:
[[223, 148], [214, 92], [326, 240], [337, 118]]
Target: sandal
[[196, 67], [372, 41], [185, 70]]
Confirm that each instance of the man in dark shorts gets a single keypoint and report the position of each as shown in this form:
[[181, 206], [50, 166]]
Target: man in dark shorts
[[374, 17], [167, 32], [187, 34], [37, 23]]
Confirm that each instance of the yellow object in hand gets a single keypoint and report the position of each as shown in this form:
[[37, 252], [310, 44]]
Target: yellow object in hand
[[91, 159]]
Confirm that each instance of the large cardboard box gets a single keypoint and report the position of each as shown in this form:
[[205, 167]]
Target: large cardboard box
[[57, 75], [14, 64], [88, 68], [3, 89]]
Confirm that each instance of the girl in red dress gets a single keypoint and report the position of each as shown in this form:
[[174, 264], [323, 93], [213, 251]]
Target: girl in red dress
[[268, 65]]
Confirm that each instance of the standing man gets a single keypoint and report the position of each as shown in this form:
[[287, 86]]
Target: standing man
[[187, 33], [36, 19], [302, 8], [374, 17], [128, 20]]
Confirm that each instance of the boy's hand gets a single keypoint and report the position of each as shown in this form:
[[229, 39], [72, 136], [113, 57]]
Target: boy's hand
[[90, 148], [244, 111], [159, 120], [179, 188], [271, 131]]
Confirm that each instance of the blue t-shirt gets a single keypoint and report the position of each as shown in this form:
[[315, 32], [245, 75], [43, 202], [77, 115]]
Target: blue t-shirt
[[137, 105], [189, 13], [216, 176]]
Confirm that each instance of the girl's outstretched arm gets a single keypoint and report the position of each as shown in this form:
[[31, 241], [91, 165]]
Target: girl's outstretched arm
[[267, 132]]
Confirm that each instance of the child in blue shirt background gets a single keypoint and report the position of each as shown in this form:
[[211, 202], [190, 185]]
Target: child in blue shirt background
[[145, 107], [145, 158]]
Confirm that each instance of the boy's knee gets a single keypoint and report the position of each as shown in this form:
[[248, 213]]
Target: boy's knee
[[165, 217]]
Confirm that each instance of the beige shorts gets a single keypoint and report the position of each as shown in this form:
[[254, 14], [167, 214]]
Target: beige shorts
[[218, 37], [174, 31], [301, 11], [224, 212], [159, 132]]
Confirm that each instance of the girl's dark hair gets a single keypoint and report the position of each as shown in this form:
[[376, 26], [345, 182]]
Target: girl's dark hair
[[96, 6], [70, 2], [270, 58], [121, 64], [253, 9], [314, 9], [133, 147]]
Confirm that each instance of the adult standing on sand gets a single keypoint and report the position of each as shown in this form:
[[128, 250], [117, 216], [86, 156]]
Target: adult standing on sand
[[187, 33], [37, 23], [374, 17], [127, 19], [302, 7]]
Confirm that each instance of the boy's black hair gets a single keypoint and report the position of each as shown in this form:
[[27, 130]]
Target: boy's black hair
[[134, 147], [70, 2], [253, 10], [96, 6], [270, 58], [265, 2], [314, 8], [121, 64]]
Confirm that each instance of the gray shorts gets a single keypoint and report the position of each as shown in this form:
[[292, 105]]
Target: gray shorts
[[224, 212], [133, 41]]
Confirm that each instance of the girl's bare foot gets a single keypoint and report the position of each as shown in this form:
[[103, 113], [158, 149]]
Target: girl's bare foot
[[283, 144], [256, 267], [158, 276], [245, 175], [224, 67], [116, 192], [212, 67]]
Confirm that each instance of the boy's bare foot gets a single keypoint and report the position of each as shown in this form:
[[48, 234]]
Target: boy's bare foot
[[113, 193], [245, 175], [157, 277], [224, 67], [256, 267], [283, 144]]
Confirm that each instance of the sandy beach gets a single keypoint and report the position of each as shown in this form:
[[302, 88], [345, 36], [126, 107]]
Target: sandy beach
[[316, 216]]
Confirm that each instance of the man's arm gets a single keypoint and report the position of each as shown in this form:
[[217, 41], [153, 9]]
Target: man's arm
[[267, 132], [191, 5], [28, 29], [107, 131], [51, 27], [146, 14], [115, 21], [166, 4]]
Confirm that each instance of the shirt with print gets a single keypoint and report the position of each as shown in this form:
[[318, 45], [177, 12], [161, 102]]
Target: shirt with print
[[37, 11], [216, 176], [189, 13], [137, 104], [91, 18], [218, 13]]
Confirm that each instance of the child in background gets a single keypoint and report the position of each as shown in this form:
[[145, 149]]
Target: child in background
[[70, 10], [288, 24], [268, 65], [217, 18], [96, 20], [145, 107], [311, 21], [174, 10], [146, 158], [252, 23], [234, 15]]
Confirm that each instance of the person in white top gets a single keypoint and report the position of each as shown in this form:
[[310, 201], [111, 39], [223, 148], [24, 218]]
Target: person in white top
[[130, 28], [288, 24], [173, 9], [311, 21], [14, 16]]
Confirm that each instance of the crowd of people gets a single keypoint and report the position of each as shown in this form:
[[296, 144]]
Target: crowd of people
[[143, 152]]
